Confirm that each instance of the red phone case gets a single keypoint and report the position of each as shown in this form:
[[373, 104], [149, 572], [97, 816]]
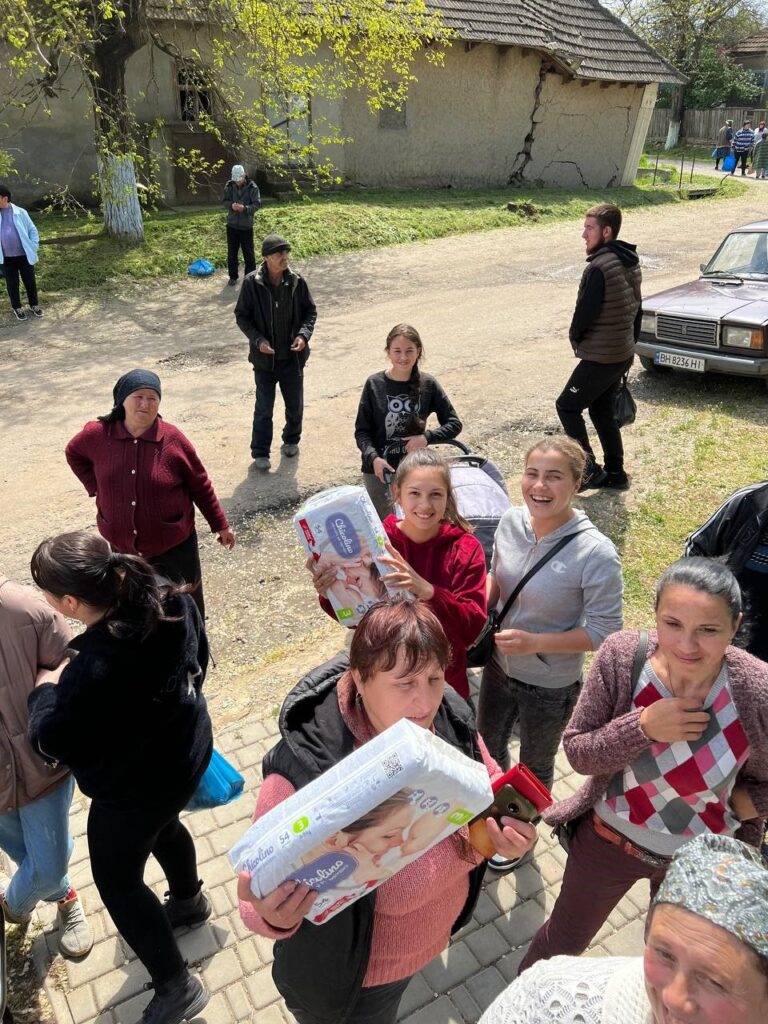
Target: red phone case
[[527, 785]]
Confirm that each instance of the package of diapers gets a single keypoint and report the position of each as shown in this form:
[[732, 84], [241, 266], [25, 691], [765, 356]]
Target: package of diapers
[[370, 815], [341, 530]]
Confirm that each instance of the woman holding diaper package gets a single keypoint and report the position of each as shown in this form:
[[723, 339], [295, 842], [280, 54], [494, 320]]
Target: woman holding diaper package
[[354, 968], [147, 478]]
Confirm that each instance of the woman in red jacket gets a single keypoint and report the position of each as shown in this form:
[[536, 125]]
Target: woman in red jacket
[[433, 556], [147, 478]]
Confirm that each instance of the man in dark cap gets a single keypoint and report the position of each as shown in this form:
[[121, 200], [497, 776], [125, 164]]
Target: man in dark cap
[[277, 314]]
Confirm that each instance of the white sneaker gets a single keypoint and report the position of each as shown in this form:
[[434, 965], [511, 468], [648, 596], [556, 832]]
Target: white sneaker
[[502, 864]]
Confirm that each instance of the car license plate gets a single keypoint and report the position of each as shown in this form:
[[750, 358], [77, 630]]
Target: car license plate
[[681, 362]]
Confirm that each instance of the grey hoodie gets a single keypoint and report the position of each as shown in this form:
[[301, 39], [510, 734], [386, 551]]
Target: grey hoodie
[[580, 586]]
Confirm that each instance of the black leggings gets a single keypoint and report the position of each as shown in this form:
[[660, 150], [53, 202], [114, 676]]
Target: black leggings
[[15, 267], [120, 839], [593, 386]]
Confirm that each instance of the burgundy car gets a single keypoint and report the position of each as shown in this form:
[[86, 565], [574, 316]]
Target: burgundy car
[[719, 322]]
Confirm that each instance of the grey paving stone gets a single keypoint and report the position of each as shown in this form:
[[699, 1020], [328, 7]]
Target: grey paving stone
[[130, 1011], [528, 881], [628, 941], [485, 986], [218, 1011], [486, 909], [417, 994], [120, 984], [450, 968], [487, 944], [465, 1004], [103, 958], [239, 1000], [198, 944], [441, 1011], [262, 989], [508, 965], [82, 1004], [521, 923], [222, 970]]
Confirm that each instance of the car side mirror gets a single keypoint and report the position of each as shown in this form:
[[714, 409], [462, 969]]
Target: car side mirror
[[702, 267]]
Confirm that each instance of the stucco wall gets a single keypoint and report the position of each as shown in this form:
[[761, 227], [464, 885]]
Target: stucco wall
[[467, 122]]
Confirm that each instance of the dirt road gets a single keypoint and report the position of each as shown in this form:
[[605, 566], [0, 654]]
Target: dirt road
[[493, 310]]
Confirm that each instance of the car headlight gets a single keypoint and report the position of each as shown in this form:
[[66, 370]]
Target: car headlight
[[648, 323], [743, 337]]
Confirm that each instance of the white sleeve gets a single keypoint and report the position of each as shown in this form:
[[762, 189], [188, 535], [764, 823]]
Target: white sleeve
[[563, 990], [519, 1003]]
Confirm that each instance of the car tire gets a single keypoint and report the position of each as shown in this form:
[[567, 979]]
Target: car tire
[[651, 367]]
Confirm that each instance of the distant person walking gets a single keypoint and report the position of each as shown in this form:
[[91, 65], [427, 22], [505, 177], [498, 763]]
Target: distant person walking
[[723, 144], [743, 141], [760, 155], [277, 314], [241, 200], [19, 241], [604, 329]]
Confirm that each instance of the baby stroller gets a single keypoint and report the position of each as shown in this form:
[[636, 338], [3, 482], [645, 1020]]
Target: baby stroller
[[481, 494]]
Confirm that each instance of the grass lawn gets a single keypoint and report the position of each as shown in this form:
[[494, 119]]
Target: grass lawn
[[76, 253]]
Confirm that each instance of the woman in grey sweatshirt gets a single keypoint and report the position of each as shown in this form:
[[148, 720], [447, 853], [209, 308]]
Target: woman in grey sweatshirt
[[569, 607]]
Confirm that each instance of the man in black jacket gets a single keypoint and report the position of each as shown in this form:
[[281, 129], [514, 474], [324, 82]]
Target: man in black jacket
[[241, 200], [738, 533], [277, 314]]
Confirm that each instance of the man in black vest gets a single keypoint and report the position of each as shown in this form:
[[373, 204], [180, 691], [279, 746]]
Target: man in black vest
[[604, 329], [277, 313]]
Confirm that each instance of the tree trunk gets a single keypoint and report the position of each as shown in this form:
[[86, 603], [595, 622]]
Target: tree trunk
[[115, 126], [119, 198], [675, 117]]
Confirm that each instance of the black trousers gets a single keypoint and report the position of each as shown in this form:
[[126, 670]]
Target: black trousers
[[182, 565], [240, 238], [120, 840], [288, 375], [741, 158], [15, 267], [593, 386], [375, 1005]]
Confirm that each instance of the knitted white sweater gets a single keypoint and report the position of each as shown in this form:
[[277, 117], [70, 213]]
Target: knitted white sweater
[[575, 990]]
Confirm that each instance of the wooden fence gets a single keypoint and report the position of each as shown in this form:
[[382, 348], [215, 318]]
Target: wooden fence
[[702, 125]]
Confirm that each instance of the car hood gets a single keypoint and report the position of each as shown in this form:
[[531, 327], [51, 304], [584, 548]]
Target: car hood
[[745, 303]]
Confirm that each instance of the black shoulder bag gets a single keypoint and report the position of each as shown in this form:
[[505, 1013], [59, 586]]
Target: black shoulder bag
[[480, 652], [624, 406]]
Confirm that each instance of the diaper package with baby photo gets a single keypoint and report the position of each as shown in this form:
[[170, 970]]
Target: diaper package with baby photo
[[341, 530], [370, 815]]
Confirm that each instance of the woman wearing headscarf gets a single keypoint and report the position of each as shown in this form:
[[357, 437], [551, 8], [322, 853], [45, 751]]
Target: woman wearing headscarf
[[705, 962], [147, 478]]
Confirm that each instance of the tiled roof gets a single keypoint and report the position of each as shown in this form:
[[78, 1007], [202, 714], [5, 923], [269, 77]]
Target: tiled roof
[[593, 43], [757, 43], [583, 37]]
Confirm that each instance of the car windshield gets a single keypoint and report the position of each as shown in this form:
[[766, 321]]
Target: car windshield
[[743, 254]]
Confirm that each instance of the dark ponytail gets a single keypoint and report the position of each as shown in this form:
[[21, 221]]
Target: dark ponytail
[[123, 587], [418, 423]]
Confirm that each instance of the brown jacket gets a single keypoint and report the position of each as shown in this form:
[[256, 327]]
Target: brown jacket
[[610, 338], [32, 636]]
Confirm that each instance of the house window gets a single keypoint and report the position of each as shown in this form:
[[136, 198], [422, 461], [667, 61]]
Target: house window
[[195, 97], [390, 117]]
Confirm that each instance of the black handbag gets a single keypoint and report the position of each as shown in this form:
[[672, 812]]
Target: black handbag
[[479, 654], [624, 406]]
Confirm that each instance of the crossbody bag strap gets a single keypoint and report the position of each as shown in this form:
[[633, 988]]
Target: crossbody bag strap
[[640, 656], [532, 572]]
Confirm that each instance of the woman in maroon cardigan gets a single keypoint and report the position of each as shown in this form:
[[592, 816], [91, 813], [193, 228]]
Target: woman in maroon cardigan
[[147, 478], [674, 739]]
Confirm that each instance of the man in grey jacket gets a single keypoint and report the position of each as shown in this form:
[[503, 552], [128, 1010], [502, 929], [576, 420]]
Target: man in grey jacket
[[34, 797], [241, 200], [604, 329]]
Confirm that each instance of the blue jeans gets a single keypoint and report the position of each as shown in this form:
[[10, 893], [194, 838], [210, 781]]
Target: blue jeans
[[37, 839]]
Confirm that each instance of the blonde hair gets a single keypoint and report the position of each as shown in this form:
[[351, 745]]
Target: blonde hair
[[423, 458], [571, 451]]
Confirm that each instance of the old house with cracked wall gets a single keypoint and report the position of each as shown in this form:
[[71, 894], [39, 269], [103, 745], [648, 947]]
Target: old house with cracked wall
[[557, 92]]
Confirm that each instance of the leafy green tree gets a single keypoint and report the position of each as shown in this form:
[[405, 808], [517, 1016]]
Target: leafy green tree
[[692, 34], [297, 51]]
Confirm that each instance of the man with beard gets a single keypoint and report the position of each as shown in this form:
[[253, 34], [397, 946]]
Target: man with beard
[[603, 332]]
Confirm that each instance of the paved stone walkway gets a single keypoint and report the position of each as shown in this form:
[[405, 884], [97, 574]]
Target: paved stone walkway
[[106, 987]]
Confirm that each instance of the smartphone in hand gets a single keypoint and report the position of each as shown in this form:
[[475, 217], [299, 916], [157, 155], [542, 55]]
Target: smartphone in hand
[[517, 794]]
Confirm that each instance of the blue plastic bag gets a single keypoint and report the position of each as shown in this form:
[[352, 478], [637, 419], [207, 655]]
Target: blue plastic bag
[[201, 268], [220, 784], [729, 162]]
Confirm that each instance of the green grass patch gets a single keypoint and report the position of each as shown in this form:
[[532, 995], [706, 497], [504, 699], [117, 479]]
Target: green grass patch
[[696, 440], [82, 257]]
